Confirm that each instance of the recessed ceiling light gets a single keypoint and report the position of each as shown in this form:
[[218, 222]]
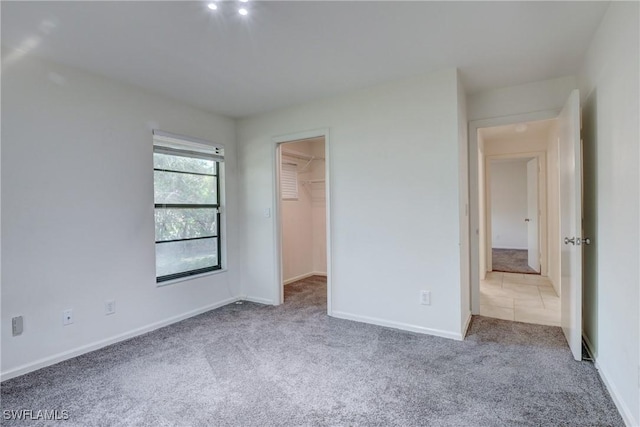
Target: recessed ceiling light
[[242, 11], [243, 1], [212, 6]]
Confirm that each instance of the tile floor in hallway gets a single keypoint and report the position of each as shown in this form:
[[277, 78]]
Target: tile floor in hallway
[[525, 298]]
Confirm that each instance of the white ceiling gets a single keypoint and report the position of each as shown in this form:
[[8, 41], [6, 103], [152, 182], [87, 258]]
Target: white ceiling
[[287, 53]]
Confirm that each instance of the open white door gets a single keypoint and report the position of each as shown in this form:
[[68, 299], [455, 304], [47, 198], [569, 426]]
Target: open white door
[[533, 219], [570, 162]]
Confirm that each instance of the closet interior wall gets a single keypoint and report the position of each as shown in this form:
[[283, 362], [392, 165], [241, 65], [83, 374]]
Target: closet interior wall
[[304, 251]]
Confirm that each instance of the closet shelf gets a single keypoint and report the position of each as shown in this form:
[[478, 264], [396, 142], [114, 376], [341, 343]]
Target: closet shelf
[[299, 155], [296, 154]]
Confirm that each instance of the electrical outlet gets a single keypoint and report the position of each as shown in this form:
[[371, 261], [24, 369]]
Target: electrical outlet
[[16, 325], [425, 297], [67, 317], [109, 307]]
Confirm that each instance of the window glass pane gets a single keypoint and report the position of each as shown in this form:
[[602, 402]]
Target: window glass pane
[[183, 188], [184, 164], [178, 257], [173, 224]]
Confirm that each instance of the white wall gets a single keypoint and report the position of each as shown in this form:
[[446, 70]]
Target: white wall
[[484, 266], [77, 212], [527, 98], [317, 191], [509, 204], [519, 146], [395, 201], [610, 90], [303, 220]]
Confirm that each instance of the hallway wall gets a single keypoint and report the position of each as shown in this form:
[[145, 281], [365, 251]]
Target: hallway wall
[[610, 97], [509, 204]]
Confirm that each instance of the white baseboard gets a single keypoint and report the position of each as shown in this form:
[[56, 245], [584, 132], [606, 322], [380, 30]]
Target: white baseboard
[[69, 354], [397, 325], [624, 411], [304, 276], [257, 300]]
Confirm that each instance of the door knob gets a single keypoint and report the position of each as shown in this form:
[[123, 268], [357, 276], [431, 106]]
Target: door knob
[[586, 241], [569, 240], [526, 220]]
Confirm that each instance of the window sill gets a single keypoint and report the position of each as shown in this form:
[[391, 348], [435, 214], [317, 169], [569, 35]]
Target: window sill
[[195, 276]]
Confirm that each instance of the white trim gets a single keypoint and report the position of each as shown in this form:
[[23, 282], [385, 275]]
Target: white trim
[[277, 142], [625, 412], [466, 325], [185, 278], [398, 325], [299, 136], [257, 300], [277, 226], [328, 178], [168, 139], [56, 358], [474, 242], [304, 276], [296, 278]]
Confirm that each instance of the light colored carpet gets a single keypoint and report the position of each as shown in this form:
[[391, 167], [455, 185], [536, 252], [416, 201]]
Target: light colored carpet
[[255, 365], [511, 261]]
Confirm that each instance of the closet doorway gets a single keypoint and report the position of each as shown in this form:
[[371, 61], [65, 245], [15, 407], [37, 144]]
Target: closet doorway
[[302, 215]]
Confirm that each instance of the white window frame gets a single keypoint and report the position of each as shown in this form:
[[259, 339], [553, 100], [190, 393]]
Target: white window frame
[[166, 142]]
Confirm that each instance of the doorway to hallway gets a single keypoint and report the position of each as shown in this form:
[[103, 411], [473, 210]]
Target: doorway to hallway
[[515, 219], [563, 262]]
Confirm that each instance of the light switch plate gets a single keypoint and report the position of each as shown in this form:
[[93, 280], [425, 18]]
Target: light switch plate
[[16, 325]]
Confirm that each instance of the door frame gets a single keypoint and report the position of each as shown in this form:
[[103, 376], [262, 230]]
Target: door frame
[[277, 142], [542, 204], [474, 214]]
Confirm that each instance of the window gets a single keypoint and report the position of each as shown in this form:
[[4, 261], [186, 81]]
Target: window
[[289, 181], [186, 177]]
